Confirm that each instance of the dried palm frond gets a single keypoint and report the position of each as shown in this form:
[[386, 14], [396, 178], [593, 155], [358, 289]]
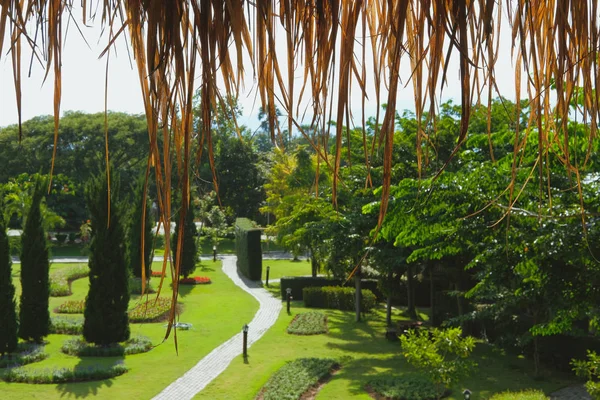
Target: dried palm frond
[[555, 41]]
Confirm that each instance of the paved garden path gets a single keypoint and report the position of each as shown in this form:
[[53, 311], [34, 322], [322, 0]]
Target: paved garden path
[[217, 360], [576, 392]]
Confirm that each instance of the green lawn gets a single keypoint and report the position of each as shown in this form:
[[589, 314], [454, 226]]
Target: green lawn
[[281, 268], [217, 312], [364, 353]]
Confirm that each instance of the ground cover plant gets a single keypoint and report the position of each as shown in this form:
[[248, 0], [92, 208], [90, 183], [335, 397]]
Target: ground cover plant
[[368, 355], [61, 280], [310, 323], [64, 375], [79, 347], [152, 310], [522, 395], [64, 326], [217, 312], [26, 353], [409, 387], [296, 377], [71, 307]]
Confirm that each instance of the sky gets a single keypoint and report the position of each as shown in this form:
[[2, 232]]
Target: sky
[[83, 82]]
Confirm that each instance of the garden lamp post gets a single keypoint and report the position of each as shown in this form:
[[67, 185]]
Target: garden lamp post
[[467, 394], [288, 291], [215, 253], [268, 269], [245, 331]]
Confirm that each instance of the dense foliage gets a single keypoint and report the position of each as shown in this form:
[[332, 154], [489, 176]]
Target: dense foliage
[[105, 314], [296, 377], [298, 283], [34, 316], [336, 297], [405, 387], [9, 325], [248, 249]]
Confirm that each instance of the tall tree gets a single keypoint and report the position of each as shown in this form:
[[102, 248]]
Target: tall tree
[[105, 316], [189, 251], [34, 316], [9, 325], [140, 212]]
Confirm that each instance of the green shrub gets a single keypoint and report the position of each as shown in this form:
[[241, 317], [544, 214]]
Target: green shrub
[[248, 249], [15, 245], [310, 323], [296, 377], [410, 387], [590, 370], [71, 307], [64, 326], [298, 283], [336, 297], [524, 395], [27, 353], [60, 281], [64, 375], [135, 286], [153, 310], [79, 347]]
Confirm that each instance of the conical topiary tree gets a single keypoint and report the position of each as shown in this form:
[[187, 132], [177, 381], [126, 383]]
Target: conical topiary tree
[[189, 255], [105, 315], [9, 325], [134, 250], [34, 317]]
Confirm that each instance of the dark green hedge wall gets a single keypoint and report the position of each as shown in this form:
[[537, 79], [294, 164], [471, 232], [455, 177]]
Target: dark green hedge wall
[[336, 297], [248, 249]]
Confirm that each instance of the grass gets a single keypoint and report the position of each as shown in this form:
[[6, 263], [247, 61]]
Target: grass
[[365, 354], [280, 268], [217, 312]]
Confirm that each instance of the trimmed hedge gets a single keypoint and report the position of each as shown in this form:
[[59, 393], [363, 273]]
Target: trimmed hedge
[[64, 375], [336, 297], [298, 283], [248, 249], [79, 347]]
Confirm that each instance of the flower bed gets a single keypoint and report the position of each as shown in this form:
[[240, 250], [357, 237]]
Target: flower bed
[[64, 375], [156, 274], [309, 323], [64, 326], [71, 307], [26, 353], [196, 280], [60, 281], [79, 347], [153, 310]]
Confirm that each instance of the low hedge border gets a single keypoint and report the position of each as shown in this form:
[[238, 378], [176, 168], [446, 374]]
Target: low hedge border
[[60, 281], [309, 323], [79, 347], [65, 326], [27, 353], [336, 297], [530, 394], [408, 387], [64, 375], [296, 378], [298, 283], [71, 307]]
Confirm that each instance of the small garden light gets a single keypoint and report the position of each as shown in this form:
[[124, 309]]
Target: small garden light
[[288, 291], [467, 394], [245, 331], [268, 269]]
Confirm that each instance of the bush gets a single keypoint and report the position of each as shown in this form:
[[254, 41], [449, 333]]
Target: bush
[[60, 281], [524, 395], [79, 347], [248, 249], [196, 280], [590, 370], [336, 297], [298, 283], [64, 326], [153, 310], [71, 307], [135, 286], [410, 387], [27, 353], [15, 245], [310, 323], [296, 377], [64, 375]]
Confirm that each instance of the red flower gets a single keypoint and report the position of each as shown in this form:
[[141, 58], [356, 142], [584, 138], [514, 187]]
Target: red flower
[[196, 280]]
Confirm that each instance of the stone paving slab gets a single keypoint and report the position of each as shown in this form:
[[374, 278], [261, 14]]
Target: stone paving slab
[[576, 392], [213, 364]]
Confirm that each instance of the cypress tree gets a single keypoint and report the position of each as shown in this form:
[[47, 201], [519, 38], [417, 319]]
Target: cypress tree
[[34, 317], [105, 316], [9, 325], [134, 253], [189, 255]]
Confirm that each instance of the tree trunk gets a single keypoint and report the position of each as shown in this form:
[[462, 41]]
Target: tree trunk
[[388, 315], [432, 296], [314, 266], [410, 288], [358, 294]]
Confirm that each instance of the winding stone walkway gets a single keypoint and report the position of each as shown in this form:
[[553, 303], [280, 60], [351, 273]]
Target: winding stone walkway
[[576, 392], [217, 360]]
